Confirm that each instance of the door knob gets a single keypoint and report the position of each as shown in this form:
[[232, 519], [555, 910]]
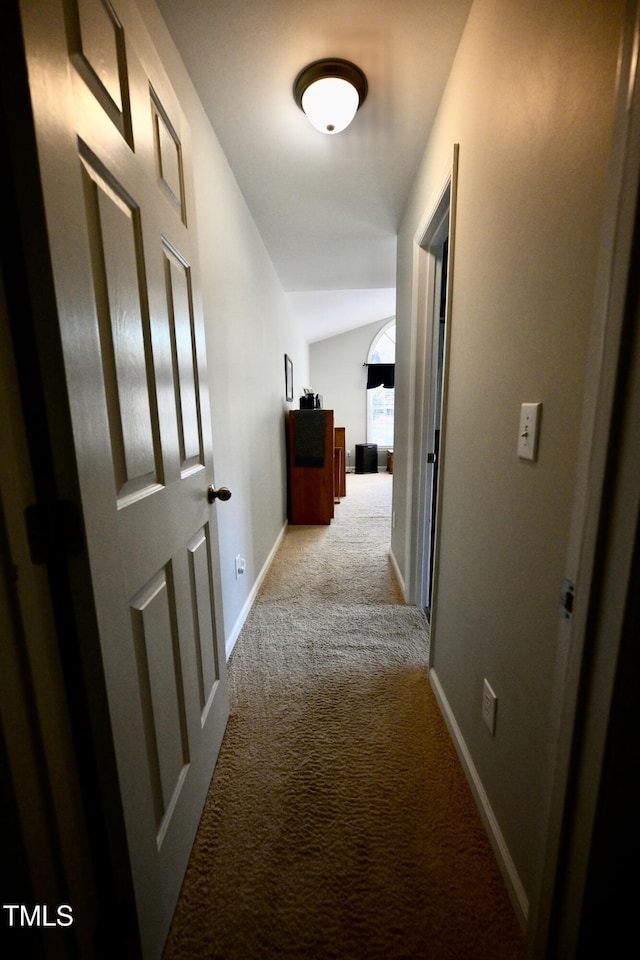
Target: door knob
[[220, 494]]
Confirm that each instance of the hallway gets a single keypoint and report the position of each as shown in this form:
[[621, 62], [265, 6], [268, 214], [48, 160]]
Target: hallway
[[339, 823], [328, 792]]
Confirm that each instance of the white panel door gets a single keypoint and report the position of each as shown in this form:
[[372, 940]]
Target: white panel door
[[114, 158]]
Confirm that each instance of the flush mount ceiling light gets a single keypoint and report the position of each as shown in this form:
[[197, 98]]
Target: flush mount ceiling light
[[330, 93]]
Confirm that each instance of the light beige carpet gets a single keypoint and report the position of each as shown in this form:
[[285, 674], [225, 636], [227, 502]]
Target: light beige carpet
[[339, 823]]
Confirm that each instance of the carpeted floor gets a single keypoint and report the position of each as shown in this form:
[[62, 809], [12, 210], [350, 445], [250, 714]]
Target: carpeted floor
[[339, 823]]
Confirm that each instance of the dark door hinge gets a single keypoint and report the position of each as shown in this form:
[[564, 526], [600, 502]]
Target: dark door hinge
[[53, 529]]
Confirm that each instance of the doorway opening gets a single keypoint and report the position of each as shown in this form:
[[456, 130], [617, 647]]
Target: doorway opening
[[433, 276]]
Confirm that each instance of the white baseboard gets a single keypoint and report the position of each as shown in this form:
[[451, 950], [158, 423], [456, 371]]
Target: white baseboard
[[230, 641], [399, 577], [510, 874]]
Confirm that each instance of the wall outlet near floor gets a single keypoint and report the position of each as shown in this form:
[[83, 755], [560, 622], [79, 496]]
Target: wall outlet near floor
[[241, 564], [489, 706]]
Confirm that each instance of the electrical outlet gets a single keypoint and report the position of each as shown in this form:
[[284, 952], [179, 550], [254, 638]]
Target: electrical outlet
[[489, 707], [241, 564]]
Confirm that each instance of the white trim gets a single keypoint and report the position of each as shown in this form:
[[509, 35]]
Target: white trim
[[391, 322], [231, 640], [423, 402], [399, 577], [505, 862]]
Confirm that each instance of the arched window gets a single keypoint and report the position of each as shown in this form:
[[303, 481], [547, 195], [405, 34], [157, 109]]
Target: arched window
[[380, 400]]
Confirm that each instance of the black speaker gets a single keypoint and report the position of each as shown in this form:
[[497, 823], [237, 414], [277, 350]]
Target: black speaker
[[366, 457]]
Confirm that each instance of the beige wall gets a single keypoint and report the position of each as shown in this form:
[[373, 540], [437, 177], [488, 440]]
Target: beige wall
[[337, 373], [530, 102]]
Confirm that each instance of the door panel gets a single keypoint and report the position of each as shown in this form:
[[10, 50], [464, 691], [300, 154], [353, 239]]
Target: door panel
[[96, 45], [115, 166], [99, 36], [114, 229], [182, 323], [153, 614], [204, 631], [168, 156]]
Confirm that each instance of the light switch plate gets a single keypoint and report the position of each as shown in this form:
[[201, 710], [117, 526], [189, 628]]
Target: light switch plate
[[528, 431]]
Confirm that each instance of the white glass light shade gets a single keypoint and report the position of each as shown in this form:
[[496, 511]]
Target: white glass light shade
[[330, 104]]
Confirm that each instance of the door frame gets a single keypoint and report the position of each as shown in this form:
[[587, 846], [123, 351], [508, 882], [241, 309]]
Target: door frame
[[602, 559], [437, 223]]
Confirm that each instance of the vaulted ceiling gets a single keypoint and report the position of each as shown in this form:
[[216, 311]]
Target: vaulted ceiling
[[327, 207]]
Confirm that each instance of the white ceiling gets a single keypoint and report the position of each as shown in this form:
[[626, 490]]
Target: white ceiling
[[327, 207]]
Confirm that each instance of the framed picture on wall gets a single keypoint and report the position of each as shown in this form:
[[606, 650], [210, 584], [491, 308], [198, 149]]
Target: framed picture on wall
[[288, 377]]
